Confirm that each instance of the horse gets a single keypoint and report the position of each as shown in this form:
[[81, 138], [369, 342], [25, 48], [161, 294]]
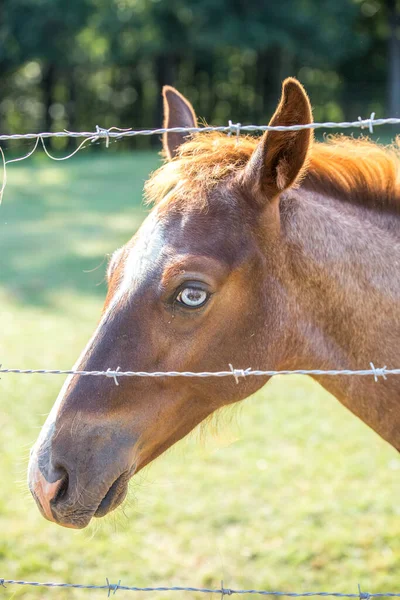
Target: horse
[[276, 253]]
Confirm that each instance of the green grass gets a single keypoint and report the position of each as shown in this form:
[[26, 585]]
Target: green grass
[[289, 492]]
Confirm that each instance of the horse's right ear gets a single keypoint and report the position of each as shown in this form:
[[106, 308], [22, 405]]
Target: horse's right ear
[[178, 112], [281, 157]]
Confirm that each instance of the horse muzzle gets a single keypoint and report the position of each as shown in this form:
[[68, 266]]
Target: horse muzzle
[[62, 499]]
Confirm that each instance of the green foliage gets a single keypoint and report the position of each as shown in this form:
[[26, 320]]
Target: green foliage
[[84, 62], [41, 29]]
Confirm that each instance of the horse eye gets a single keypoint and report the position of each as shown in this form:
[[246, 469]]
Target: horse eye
[[192, 297]]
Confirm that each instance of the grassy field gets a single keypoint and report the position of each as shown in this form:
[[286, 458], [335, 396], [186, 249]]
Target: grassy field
[[288, 492]]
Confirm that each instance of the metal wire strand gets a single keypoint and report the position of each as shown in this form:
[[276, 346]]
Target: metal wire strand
[[114, 132], [237, 374], [110, 587], [118, 133]]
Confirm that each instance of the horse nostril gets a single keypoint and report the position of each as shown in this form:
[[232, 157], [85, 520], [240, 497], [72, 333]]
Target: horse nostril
[[49, 489], [62, 489]]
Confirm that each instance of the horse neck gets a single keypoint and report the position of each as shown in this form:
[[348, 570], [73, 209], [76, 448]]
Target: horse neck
[[344, 299]]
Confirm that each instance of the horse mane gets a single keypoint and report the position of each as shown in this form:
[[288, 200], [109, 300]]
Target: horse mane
[[358, 171]]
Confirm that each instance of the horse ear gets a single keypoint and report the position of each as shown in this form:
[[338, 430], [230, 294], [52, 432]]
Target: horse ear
[[178, 112], [280, 159]]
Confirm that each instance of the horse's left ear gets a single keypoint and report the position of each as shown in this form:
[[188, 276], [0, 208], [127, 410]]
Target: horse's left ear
[[280, 159], [178, 112]]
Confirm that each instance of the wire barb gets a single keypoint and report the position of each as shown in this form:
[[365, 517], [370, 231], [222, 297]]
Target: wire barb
[[234, 128], [371, 122], [363, 595], [113, 374], [112, 587], [364, 123], [102, 133], [225, 591], [239, 372], [378, 372]]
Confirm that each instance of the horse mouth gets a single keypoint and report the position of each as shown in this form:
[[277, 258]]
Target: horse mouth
[[114, 497]]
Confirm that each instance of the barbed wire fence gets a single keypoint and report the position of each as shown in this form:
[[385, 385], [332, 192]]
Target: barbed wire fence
[[222, 591], [237, 374], [237, 128], [116, 133]]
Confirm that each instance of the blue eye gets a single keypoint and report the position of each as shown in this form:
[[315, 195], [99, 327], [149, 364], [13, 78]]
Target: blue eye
[[192, 297]]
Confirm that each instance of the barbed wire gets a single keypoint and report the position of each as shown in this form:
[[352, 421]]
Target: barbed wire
[[222, 591], [116, 132], [237, 374]]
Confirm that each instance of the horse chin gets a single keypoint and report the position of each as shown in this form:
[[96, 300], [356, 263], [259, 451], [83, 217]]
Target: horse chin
[[114, 497], [79, 519]]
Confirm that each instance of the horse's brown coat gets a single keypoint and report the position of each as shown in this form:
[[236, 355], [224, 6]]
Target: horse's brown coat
[[297, 245]]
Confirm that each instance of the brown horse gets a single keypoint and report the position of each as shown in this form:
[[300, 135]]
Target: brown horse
[[276, 253]]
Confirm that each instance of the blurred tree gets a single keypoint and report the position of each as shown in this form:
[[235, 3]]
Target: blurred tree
[[43, 30], [105, 61], [373, 77]]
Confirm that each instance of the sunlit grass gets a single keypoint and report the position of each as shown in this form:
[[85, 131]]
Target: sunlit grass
[[287, 491]]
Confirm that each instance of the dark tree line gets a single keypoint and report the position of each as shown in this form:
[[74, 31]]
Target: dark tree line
[[85, 62]]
